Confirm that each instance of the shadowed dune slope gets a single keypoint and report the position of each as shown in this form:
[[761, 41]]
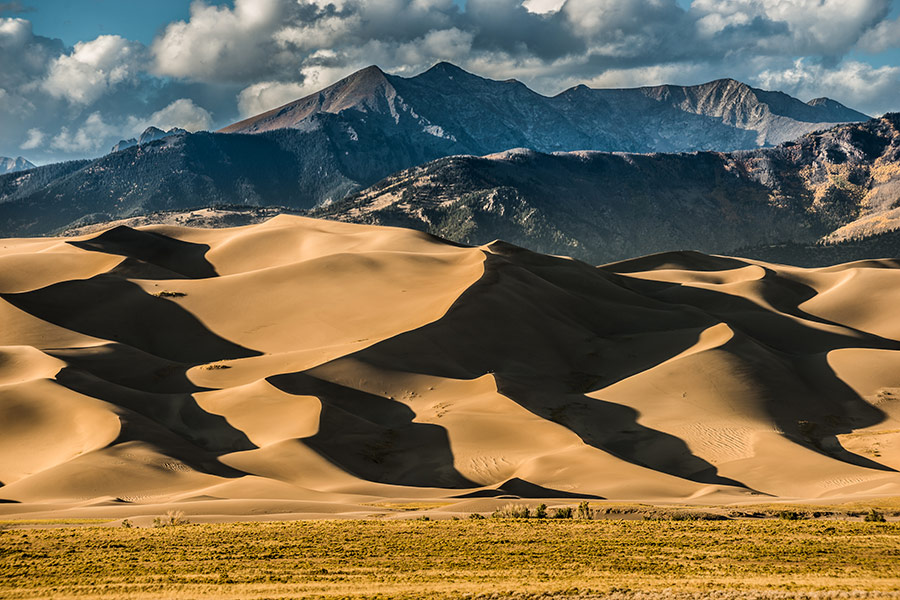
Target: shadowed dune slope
[[328, 362]]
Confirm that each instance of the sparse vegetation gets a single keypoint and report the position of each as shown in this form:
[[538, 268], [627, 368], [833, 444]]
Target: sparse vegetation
[[789, 515], [173, 518], [875, 517], [685, 515], [585, 511], [512, 511], [453, 559], [169, 294], [215, 367], [541, 511], [562, 512]]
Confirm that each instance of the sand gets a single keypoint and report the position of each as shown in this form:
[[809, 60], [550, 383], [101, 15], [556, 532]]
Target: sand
[[305, 367]]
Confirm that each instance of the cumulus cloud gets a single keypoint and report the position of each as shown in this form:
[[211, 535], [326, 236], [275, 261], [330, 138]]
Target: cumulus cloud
[[819, 27], [93, 68], [543, 6], [182, 113], [34, 140], [221, 43], [265, 95], [61, 102], [884, 36]]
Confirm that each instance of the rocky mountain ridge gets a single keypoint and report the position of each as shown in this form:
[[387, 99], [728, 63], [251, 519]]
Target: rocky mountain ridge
[[150, 134], [475, 115]]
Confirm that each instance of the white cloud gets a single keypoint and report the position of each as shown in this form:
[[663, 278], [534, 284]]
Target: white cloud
[[821, 27], [543, 6], [220, 43], [35, 139], [93, 68], [14, 32], [884, 36], [182, 113], [853, 83], [266, 95], [93, 135]]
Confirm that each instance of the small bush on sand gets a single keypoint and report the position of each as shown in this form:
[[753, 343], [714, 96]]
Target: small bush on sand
[[874, 517], [789, 515], [512, 511], [540, 512], [127, 524], [585, 511], [476, 516], [215, 367], [563, 512], [173, 518]]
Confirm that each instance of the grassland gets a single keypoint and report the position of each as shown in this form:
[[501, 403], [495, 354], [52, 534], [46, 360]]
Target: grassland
[[764, 558]]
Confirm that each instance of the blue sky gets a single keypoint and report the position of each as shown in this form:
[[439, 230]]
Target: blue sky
[[76, 20], [78, 75]]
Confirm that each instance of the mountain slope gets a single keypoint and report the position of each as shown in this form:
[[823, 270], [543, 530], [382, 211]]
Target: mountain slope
[[833, 186], [335, 363]]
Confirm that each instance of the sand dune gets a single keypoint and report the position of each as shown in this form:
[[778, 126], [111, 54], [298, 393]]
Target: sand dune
[[325, 363]]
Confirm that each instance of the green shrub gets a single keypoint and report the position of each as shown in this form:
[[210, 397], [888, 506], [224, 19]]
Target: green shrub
[[874, 517], [563, 512], [540, 512], [476, 516], [789, 515], [585, 511]]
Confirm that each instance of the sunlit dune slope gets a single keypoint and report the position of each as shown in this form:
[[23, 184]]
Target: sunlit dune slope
[[322, 361]]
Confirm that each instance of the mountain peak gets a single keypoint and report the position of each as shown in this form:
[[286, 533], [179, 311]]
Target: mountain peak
[[360, 90], [11, 165], [725, 81], [370, 73], [446, 68]]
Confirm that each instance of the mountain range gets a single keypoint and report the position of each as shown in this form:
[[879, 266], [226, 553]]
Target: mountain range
[[468, 114], [12, 165], [350, 135]]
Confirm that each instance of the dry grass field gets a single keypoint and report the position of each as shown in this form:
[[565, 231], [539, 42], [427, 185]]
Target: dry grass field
[[466, 558]]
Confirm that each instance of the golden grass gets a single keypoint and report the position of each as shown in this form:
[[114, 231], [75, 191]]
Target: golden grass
[[410, 506], [453, 559]]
